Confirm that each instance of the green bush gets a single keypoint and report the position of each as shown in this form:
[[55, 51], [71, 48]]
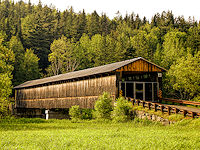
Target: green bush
[[103, 107], [86, 113], [75, 113], [176, 117], [122, 111]]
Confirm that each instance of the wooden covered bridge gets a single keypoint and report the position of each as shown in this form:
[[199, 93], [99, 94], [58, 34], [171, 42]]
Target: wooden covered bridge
[[137, 78]]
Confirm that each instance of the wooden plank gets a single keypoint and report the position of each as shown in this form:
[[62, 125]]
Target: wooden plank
[[88, 87]]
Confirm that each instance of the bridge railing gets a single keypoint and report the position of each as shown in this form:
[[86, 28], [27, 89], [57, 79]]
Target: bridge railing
[[181, 101], [164, 108]]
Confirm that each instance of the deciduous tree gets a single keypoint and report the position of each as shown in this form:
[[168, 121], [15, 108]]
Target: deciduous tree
[[184, 76], [61, 57]]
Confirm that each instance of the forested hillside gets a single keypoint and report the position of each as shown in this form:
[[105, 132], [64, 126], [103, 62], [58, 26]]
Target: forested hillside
[[38, 41]]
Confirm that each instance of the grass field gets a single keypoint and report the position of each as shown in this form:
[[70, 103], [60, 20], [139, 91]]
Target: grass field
[[62, 134]]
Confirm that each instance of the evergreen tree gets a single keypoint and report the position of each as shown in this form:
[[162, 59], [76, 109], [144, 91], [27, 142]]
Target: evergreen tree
[[16, 46], [84, 47], [93, 24], [81, 24], [145, 43], [122, 45], [38, 34], [104, 25], [193, 40], [137, 22]]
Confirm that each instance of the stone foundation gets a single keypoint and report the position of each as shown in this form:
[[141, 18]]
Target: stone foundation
[[152, 117]]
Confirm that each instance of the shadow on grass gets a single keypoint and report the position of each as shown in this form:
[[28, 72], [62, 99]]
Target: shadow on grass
[[34, 124], [17, 127]]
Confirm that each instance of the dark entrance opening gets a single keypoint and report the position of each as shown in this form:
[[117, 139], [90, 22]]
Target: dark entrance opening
[[129, 90], [139, 89], [147, 91]]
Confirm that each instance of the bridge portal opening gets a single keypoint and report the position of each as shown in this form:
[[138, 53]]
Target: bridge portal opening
[[147, 91], [143, 86]]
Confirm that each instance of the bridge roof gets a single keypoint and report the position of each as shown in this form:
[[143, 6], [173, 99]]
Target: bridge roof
[[82, 73]]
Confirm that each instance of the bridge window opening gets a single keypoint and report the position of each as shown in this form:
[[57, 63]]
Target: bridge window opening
[[147, 91]]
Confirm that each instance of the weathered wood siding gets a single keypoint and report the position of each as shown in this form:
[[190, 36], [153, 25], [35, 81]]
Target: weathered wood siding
[[64, 95], [141, 66]]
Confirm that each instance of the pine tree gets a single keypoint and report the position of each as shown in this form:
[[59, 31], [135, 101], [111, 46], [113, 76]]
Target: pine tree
[[93, 25], [104, 25], [16, 46], [81, 26], [193, 40], [38, 33]]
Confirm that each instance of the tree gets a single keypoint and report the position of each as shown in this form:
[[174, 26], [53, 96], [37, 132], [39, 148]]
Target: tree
[[122, 45], [93, 24], [138, 22], [173, 47], [81, 24], [7, 59], [75, 113], [16, 46], [184, 76], [122, 110], [193, 40], [5, 92], [157, 57], [84, 46], [103, 106], [104, 25], [145, 43], [37, 31], [125, 29], [61, 57], [29, 68], [96, 46]]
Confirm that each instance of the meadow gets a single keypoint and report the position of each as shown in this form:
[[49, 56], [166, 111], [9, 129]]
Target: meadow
[[63, 134]]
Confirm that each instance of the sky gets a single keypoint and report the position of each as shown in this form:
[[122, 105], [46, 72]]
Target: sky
[[145, 8]]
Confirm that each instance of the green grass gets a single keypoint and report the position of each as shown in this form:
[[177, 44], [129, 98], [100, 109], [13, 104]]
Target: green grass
[[62, 134]]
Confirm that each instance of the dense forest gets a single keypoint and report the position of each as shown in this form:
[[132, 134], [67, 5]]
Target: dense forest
[[38, 41]]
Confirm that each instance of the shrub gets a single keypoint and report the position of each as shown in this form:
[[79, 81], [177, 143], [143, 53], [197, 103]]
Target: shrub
[[103, 107], [176, 117], [86, 114], [75, 113], [122, 110]]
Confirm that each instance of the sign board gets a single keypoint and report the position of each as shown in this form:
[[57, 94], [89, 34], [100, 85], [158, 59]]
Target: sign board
[[159, 75]]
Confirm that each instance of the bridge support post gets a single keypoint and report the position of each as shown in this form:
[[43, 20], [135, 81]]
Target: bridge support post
[[161, 107], [168, 110], [149, 106], [184, 113], [155, 107], [193, 114]]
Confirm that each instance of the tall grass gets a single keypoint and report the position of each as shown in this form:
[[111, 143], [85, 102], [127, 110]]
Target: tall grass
[[62, 134]]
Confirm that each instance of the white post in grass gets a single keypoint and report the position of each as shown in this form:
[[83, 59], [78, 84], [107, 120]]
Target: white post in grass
[[47, 114]]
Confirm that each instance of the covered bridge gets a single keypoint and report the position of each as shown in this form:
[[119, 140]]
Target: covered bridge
[[136, 78]]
